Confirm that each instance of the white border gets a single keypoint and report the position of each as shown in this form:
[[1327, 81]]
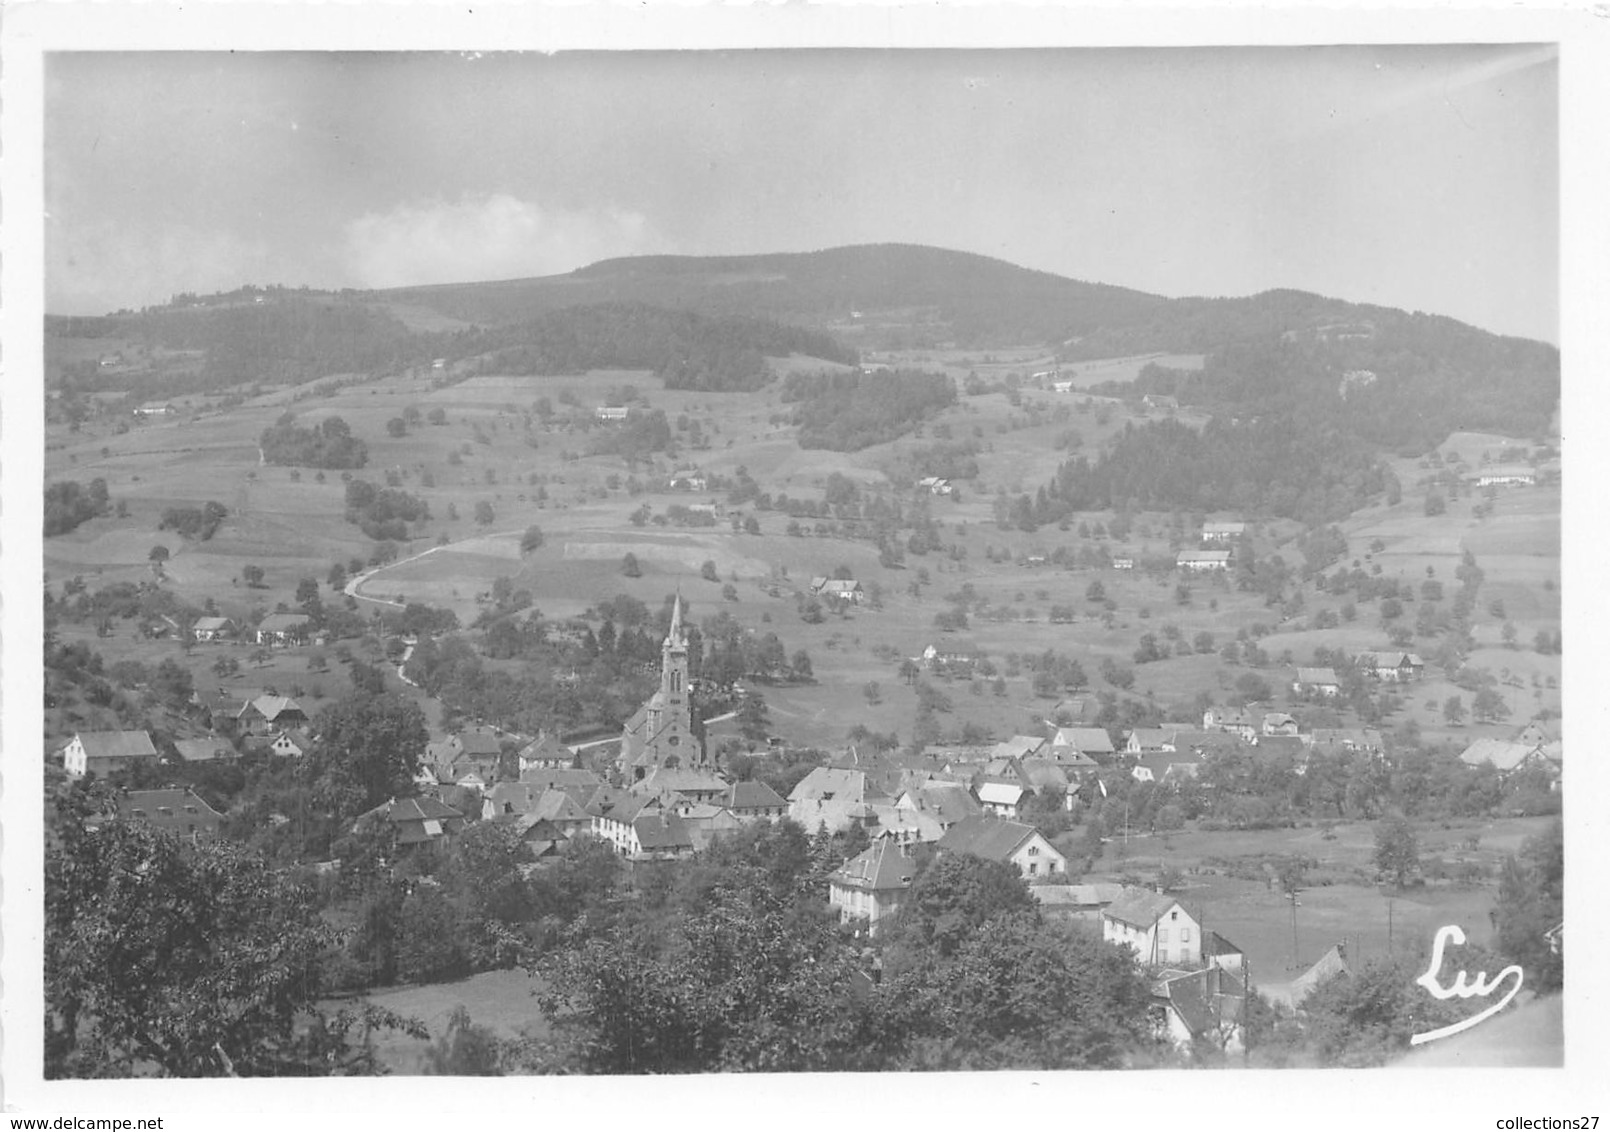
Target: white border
[[1437, 1099]]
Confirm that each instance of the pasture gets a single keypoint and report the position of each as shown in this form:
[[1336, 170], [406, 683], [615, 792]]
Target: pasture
[[500, 1001]]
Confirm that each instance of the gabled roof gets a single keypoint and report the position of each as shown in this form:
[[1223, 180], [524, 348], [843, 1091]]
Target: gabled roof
[[753, 795], [949, 802], [1154, 736], [423, 808], [1140, 906], [547, 748], [203, 750], [1076, 895], [1000, 793], [1331, 964], [180, 800], [662, 831], [1017, 747], [1501, 754], [116, 744], [1317, 676], [1086, 740], [883, 867], [568, 779], [211, 624], [826, 781], [272, 707], [1203, 556], [1389, 660], [681, 780], [990, 838]]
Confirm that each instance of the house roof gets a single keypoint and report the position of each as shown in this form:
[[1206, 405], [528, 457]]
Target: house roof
[[569, 779], [211, 624], [1206, 999], [1045, 772], [1140, 906], [1389, 660], [754, 795], [203, 750], [1203, 556], [116, 744], [882, 867], [272, 707], [1500, 753], [949, 802], [1076, 895], [1332, 963], [545, 747], [1278, 719], [662, 831], [1017, 747], [1161, 765], [1154, 736], [1223, 527], [1316, 676], [423, 808], [825, 782], [184, 807], [990, 838], [681, 780], [1086, 740], [1000, 793], [282, 622]]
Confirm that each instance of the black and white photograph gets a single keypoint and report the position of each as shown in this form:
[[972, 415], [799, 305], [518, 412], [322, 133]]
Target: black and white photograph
[[970, 566]]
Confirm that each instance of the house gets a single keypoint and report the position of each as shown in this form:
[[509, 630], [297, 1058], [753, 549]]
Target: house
[[1161, 401], [545, 753], [417, 821], [691, 783], [176, 811], [1079, 746], [1062, 387], [1222, 532], [1202, 1006], [1396, 667], [545, 825], [1155, 926], [291, 743], [1002, 799], [475, 751], [1201, 561], [643, 829], [872, 885], [102, 752], [611, 412], [1499, 475], [1330, 965], [203, 750], [208, 629], [1539, 732], [993, 839], [1166, 767], [578, 783], [279, 630], [824, 793], [1316, 681], [1079, 902], [1278, 723], [754, 801], [1236, 721], [1123, 563], [1365, 740], [839, 589], [935, 485], [1018, 747], [688, 479], [155, 409], [948, 803], [1503, 755], [1151, 741], [265, 714]]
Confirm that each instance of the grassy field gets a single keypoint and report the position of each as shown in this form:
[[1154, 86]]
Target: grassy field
[[497, 1000]]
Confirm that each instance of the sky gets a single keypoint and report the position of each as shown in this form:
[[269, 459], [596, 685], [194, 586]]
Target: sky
[[1422, 177]]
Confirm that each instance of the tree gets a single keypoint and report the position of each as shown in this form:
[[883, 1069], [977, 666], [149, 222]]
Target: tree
[[199, 961], [464, 1049], [336, 579], [1397, 849], [158, 555], [397, 427], [1530, 904], [1489, 707], [531, 540], [754, 720], [253, 575], [483, 513], [307, 591], [909, 670], [1095, 591], [368, 751], [801, 666], [708, 571], [873, 691], [1435, 503], [1453, 711], [629, 566]]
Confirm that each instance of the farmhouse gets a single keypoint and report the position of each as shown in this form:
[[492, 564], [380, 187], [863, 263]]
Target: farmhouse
[[754, 801], [1236, 721], [839, 589], [934, 485], [1008, 841], [1062, 387], [1366, 740], [611, 412], [1331, 965], [1504, 756], [1316, 681], [1001, 799], [1018, 747], [1278, 723], [834, 797], [102, 752], [208, 629], [203, 750], [174, 811], [872, 885], [946, 802], [268, 713], [1200, 561], [155, 409], [1501, 475], [1161, 401], [1076, 746], [417, 821], [291, 743], [1222, 532], [685, 782], [1151, 741], [1080, 902], [1395, 667], [547, 753], [1203, 1006], [688, 479], [281, 629], [1123, 563], [1155, 926], [1166, 767]]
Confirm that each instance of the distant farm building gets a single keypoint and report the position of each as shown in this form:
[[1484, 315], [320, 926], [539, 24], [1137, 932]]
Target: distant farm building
[[934, 485], [281, 629], [1155, 926], [1223, 532], [212, 629], [1503, 475], [1316, 681], [155, 409], [611, 412], [992, 839], [1062, 387], [688, 479], [1201, 561], [1161, 402], [839, 589], [175, 811], [1396, 667]]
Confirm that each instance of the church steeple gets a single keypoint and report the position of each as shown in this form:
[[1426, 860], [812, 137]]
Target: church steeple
[[674, 660]]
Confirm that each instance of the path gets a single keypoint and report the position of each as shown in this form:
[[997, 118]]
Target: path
[[357, 580]]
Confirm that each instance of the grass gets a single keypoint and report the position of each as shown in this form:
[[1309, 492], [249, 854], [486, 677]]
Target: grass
[[497, 1000]]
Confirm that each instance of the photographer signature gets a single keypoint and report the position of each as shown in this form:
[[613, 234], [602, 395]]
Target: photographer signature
[[1481, 988]]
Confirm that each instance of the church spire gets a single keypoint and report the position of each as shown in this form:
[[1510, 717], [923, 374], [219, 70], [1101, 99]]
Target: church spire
[[675, 633]]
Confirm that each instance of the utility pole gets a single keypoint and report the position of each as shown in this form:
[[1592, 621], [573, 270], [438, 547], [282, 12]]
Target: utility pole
[[1294, 929]]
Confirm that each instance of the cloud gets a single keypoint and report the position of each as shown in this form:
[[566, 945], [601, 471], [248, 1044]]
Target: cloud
[[492, 237], [95, 268]]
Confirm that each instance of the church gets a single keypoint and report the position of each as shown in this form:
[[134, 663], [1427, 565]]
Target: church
[[660, 733]]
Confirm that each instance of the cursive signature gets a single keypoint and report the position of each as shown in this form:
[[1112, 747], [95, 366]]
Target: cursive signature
[[1481, 988]]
